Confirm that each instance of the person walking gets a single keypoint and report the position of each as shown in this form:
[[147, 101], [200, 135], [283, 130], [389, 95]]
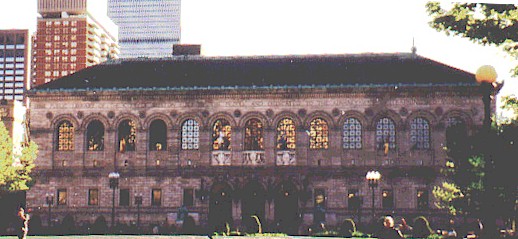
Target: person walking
[[388, 231], [23, 223]]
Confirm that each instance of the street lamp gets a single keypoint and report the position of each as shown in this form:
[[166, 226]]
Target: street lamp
[[49, 198], [114, 184], [138, 201], [373, 178], [486, 77]]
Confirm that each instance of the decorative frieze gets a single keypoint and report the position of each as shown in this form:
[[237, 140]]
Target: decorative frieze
[[253, 158], [285, 158], [221, 158]]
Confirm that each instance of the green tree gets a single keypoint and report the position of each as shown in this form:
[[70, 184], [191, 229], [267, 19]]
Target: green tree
[[15, 169], [485, 24], [478, 188]]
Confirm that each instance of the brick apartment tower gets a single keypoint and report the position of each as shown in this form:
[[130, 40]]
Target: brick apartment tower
[[14, 63], [72, 35]]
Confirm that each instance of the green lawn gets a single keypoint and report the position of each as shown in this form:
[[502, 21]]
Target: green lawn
[[161, 237]]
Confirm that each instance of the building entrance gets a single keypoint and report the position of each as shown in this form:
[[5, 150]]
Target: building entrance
[[287, 208], [220, 207], [252, 204]]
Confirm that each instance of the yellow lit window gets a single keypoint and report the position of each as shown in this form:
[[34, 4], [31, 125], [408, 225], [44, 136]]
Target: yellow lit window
[[318, 134], [65, 137], [286, 134]]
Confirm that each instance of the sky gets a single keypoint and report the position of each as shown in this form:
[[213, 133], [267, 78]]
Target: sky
[[293, 27]]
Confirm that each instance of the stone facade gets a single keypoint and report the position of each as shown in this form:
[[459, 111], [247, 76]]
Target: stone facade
[[335, 171]]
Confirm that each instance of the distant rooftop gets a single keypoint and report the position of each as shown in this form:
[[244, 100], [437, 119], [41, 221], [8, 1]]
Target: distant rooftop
[[186, 72]]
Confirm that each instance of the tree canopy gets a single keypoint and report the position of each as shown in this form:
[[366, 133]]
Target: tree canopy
[[483, 23], [481, 172], [15, 168]]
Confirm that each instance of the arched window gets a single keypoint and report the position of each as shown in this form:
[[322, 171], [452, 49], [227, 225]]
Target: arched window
[[318, 134], [456, 132], [420, 133], [95, 136], [286, 134], [352, 134], [65, 136], [127, 134], [157, 135], [385, 134], [221, 135], [455, 122], [190, 134], [254, 135]]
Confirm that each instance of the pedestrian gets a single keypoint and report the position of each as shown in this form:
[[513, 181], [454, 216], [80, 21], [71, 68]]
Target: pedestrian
[[404, 227], [388, 231], [23, 223], [452, 231]]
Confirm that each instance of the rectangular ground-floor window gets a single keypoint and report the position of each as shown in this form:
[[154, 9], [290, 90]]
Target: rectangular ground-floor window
[[387, 198], [353, 199], [93, 197], [62, 197], [188, 197], [422, 199], [156, 197], [124, 197]]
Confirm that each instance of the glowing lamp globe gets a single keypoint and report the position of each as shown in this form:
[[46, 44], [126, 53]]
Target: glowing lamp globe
[[486, 74]]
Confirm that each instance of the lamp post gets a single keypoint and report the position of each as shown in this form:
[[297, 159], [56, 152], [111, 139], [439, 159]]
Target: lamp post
[[49, 198], [114, 184], [373, 178], [138, 201], [486, 77]]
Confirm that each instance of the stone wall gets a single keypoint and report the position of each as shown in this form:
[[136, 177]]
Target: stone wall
[[336, 170]]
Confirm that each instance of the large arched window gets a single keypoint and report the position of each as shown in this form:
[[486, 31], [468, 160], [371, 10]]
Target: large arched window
[[190, 134], [254, 135], [95, 136], [352, 134], [221, 135], [286, 134], [65, 136], [318, 134], [385, 134], [127, 135], [157, 135], [420, 133], [456, 132]]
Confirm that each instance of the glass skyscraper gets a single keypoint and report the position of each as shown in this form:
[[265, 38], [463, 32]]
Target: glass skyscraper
[[147, 28]]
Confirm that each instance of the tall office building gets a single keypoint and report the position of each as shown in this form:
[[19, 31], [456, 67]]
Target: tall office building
[[14, 63], [72, 35], [147, 28]]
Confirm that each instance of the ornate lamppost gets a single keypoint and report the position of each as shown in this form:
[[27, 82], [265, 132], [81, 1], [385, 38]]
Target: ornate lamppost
[[138, 201], [486, 77], [49, 198], [114, 184], [373, 178]]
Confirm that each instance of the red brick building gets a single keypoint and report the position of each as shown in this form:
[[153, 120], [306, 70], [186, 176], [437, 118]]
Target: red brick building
[[69, 38]]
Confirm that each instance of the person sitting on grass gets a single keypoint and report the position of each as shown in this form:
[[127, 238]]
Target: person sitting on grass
[[388, 231]]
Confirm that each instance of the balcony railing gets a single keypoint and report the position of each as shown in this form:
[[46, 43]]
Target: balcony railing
[[253, 158], [221, 158], [285, 158]]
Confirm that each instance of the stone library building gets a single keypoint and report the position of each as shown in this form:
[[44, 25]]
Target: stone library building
[[218, 140]]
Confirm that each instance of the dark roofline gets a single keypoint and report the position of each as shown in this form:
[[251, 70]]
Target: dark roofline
[[257, 72]]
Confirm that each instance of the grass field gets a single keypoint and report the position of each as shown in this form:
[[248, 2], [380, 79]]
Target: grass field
[[159, 237]]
